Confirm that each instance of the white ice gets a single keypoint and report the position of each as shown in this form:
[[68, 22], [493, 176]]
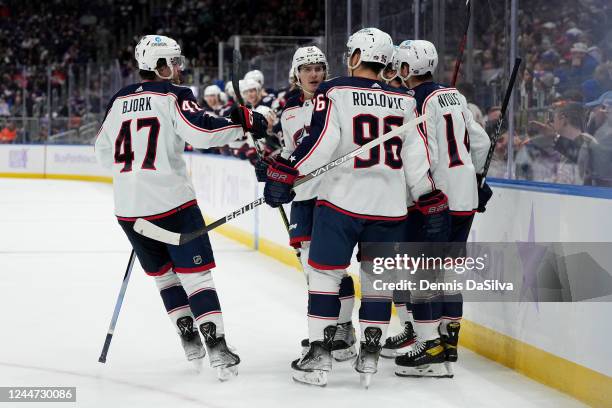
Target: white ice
[[62, 259]]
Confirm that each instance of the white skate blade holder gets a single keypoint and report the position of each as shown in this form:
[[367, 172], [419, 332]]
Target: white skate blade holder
[[344, 354], [392, 353], [428, 370], [314, 377]]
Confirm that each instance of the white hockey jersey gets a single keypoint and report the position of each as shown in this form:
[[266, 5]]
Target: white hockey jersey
[[142, 140], [295, 122], [458, 145], [348, 112]]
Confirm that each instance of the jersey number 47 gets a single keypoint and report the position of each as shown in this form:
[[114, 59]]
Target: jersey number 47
[[123, 144]]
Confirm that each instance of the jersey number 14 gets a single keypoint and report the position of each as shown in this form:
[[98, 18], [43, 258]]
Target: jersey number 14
[[123, 144]]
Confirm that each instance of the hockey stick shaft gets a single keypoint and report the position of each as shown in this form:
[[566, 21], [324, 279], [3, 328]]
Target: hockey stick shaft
[[152, 231], [462, 44], [113, 323], [237, 59], [500, 121]]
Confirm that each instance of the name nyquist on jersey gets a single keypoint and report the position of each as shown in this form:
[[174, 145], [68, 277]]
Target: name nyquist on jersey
[[142, 140], [347, 113], [295, 122], [458, 145]]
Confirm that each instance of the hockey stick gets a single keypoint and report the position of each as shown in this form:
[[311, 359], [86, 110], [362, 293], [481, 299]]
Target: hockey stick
[[236, 85], [500, 121], [462, 44], [111, 328], [148, 229]]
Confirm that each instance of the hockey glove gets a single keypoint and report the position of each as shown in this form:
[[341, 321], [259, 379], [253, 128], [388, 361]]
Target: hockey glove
[[436, 216], [251, 121], [261, 169], [484, 194], [279, 184], [251, 155]]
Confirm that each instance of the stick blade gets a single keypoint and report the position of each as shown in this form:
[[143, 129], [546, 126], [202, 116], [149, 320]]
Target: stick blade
[[150, 230]]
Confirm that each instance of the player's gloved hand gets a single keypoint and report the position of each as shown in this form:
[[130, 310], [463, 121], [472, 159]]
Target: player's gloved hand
[[251, 121], [251, 155], [279, 184], [436, 220], [484, 194], [241, 152], [261, 169]]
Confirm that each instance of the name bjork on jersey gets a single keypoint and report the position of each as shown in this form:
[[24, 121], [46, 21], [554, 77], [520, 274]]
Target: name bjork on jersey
[[448, 99], [137, 105], [377, 99]]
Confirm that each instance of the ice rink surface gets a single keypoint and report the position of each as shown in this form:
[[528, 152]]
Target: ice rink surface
[[62, 259]]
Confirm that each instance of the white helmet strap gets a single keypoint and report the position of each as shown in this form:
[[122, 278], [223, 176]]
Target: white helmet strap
[[353, 67], [163, 77], [387, 80]]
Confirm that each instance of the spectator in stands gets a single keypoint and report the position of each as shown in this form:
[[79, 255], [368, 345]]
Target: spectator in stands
[[599, 84], [566, 131], [582, 64], [597, 157], [9, 133]]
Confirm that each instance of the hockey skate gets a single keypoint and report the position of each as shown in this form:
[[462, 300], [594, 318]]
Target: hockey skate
[[424, 360], [343, 347], [450, 343], [219, 354], [366, 363], [313, 366], [192, 344], [398, 344]]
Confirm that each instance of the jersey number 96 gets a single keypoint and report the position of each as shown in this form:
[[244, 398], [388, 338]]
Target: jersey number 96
[[392, 147]]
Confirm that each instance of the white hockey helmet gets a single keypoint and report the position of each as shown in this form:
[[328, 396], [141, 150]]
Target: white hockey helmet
[[422, 57], [248, 84], [375, 46], [229, 90], [212, 90], [256, 75], [264, 110], [306, 56], [151, 48]]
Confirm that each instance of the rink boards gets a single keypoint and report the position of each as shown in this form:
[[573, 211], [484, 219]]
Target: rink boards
[[559, 344]]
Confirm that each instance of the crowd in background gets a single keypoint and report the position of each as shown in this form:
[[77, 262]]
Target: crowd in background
[[562, 127]]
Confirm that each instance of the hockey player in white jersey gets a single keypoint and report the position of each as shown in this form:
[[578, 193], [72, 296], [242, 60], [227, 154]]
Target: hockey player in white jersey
[[141, 140], [459, 146], [365, 202], [309, 67]]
